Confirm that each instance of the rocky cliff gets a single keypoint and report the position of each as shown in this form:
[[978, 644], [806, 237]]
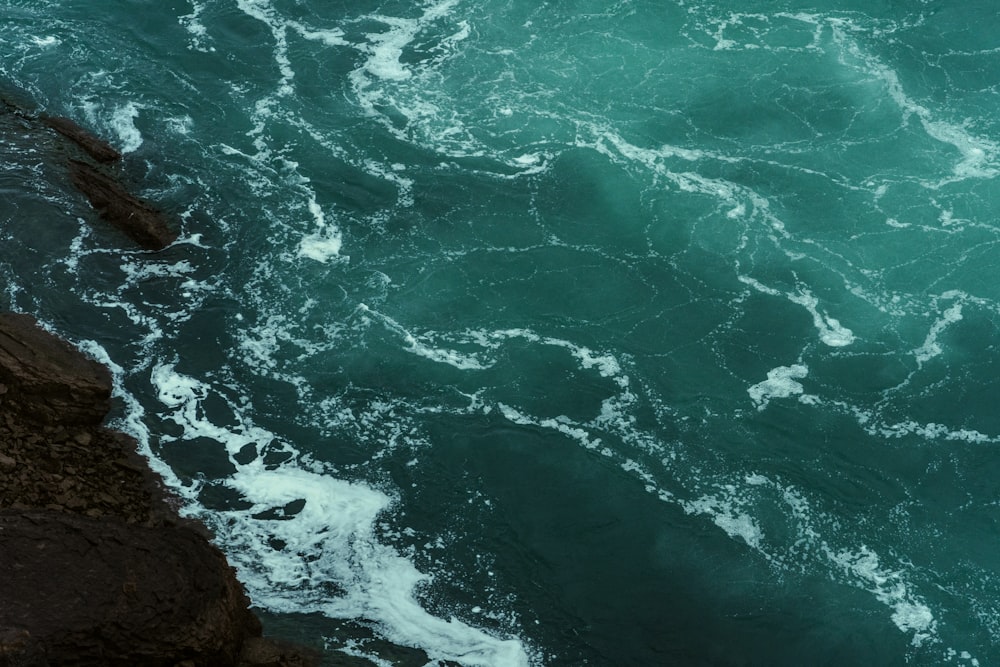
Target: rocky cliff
[[96, 567]]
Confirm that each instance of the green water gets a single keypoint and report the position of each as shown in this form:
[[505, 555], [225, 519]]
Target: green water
[[549, 333]]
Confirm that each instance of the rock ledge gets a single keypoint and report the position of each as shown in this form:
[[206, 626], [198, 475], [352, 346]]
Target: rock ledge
[[98, 568]]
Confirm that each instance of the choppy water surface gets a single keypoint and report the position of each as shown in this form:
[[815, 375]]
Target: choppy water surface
[[550, 334]]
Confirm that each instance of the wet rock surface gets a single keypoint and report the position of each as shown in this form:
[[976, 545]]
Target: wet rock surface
[[134, 217], [47, 381], [95, 147], [96, 567], [87, 530], [93, 175]]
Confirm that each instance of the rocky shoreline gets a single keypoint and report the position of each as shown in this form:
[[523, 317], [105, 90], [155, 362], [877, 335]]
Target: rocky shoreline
[[99, 569]]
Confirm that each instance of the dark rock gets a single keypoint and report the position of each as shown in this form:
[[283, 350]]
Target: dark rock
[[48, 380], [96, 567], [137, 219], [19, 649], [266, 652], [134, 217], [15, 107], [101, 592], [96, 147]]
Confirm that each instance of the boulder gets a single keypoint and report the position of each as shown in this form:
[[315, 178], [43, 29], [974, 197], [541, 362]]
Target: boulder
[[134, 217], [102, 592], [45, 380], [95, 147]]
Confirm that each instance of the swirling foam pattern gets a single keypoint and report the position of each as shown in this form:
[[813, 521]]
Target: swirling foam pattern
[[531, 333]]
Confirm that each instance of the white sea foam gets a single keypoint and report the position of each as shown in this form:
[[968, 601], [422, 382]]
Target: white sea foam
[[122, 123], [137, 270], [909, 612], [872, 422], [606, 364], [323, 244], [132, 420], [331, 37], [265, 13], [331, 538], [180, 124], [750, 31], [385, 49], [978, 155], [780, 383], [47, 41], [931, 348], [726, 515], [120, 120], [393, 174], [859, 566], [927, 430], [652, 158], [72, 261], [417, 345], [194, 26], [406, 95], [831, 331]]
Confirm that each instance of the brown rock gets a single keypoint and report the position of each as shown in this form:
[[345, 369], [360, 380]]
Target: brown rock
[[134, 217], [96, 567], [266, 652], [49, 381], [19, 649], [96, 147], [99, 592]]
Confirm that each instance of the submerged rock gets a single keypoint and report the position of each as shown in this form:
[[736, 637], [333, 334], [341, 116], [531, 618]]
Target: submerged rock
[[95, 147], [138, 220]]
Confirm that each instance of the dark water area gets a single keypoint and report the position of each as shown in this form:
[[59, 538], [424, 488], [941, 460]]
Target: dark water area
[[534, 334]]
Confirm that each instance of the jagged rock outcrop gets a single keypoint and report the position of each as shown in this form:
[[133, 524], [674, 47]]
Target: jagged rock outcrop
[[97, 591], [96, 567], [91, 471], [45, 380], [95, 147], [99, 183], [138, 220]]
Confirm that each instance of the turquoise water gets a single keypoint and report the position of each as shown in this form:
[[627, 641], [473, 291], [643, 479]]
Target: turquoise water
[[636, 333]]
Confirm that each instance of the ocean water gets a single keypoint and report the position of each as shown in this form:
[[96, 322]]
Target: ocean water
[[548, 333]]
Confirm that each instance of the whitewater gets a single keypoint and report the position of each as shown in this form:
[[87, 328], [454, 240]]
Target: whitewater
[[621, 333]]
